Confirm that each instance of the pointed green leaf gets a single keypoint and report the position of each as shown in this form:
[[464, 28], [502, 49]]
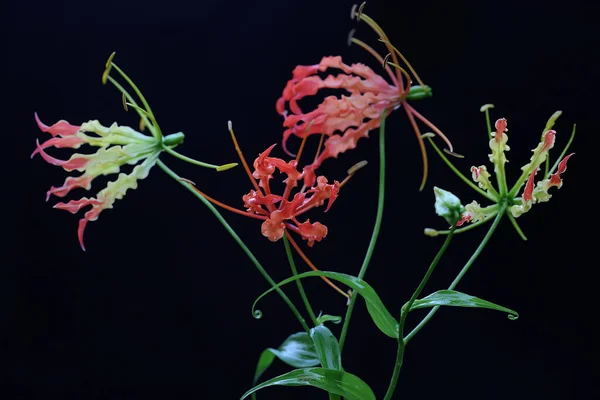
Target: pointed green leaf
[[457, 299], [328, 350], [379, 314], [327, 347], [321, 319], [341, 383], [297, 351]]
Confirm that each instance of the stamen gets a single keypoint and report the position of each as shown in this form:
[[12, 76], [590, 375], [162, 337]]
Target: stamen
[[319, 147], [421, 146], [453, 153], [353, 11], [407, 64], [222, 205], [135, 88], [225, 167], [188, 181], [107, 68], [429, 124], [311, 265], [304, 141], [241, 156], [352, 170], [406, 75], [141, 111], [361, 164], [360, 11], [132, 101], [380, 33], [124, 101], [378, 57], [350, 37]]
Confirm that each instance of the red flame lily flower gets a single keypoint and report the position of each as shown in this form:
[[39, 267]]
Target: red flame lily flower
[[347, 118]]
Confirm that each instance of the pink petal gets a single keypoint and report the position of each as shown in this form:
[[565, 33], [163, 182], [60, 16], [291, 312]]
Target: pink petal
[[83, 181], [61, 128], [74, 206], [72, 142], [68, 165], [80, 230]]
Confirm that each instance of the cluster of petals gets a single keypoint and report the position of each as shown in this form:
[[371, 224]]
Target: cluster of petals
[[279, 211], [532, 192], [343, 119], [117, 146]]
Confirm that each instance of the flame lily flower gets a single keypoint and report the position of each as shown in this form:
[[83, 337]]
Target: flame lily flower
[[505, 199], [281, 212], [348, 118], [117, 146]]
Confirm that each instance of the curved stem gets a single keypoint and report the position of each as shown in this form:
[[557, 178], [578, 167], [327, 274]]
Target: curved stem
[[406, 310], [493, 196], [188, 159], [516, 225], [461, 274], [238, 240], [290, 257], [435, 232], [376, 228]]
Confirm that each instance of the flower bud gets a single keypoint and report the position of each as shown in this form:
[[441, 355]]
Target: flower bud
[[448, 206]]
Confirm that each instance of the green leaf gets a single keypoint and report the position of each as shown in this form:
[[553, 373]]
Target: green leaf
[[327, 346], [321, 319], [457, 299], [296, 351], [341, 383], [328, 350], [379, 314]]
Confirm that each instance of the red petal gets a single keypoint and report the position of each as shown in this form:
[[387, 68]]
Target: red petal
[[555, 179], [500, 126], [271, 230], [528, 192], [548, 140], [311, 232]]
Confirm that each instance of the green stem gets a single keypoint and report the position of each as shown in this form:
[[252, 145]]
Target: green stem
[[188, 159], [406, 310], [135, 89], [239, 241], [290, 256], [488, 123], [435, 232], [514, 222], [493, 195], [460, 275], [143, 116], [562, 154], [376, 228]]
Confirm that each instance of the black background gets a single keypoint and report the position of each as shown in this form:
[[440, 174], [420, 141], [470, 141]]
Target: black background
[[159, 305]]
